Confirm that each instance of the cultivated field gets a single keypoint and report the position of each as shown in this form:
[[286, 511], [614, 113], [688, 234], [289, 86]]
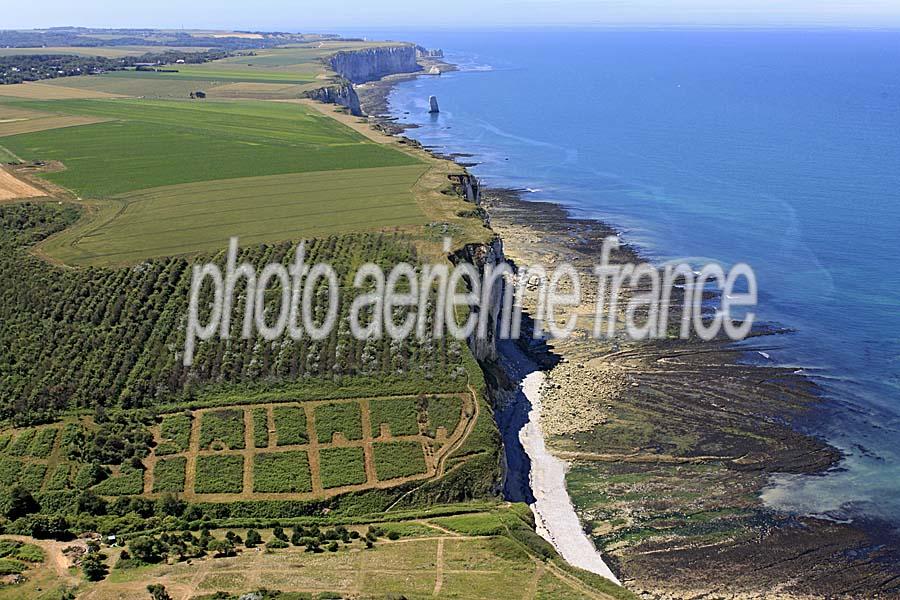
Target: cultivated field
[[48, 91], [203, 216], [300, 450], [12, 188]]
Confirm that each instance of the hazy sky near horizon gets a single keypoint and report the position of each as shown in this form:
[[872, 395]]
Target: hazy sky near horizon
[[287, 15]]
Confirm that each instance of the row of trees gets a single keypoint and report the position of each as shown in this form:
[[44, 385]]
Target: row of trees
[[112, 338]]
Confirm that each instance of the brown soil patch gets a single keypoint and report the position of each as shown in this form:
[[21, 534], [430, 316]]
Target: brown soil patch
[[12, 188]]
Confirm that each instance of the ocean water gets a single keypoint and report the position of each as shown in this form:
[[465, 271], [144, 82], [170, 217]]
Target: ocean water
[[779, 149]]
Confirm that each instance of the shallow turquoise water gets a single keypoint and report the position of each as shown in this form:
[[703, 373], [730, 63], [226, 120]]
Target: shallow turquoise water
[[780, 149]]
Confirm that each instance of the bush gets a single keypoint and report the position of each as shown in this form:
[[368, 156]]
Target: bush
[[220, 474], [281, 472], [342, 466], [344, 417], [398, 459]]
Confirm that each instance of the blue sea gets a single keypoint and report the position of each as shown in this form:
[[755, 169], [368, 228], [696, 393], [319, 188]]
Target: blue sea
[[778, 148]]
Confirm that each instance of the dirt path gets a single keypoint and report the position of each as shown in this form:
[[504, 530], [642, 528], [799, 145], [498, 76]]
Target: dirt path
[[439, 568], [53, 552]]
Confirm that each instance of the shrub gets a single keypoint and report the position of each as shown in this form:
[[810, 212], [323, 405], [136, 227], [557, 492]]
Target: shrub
[[342, 418], [398, 459], [168, 474], [220, 474], [399, 414], [281, 472], [226, 426], [342, 466], [290, 425]]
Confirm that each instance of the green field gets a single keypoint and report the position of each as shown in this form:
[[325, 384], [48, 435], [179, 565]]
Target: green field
[[290, 425], [400, 415], [219, 474], [222, 427], [344, 418], [282, 472], [204, 172], [342, 466], [168, 475], [398, 459], [184, 142]]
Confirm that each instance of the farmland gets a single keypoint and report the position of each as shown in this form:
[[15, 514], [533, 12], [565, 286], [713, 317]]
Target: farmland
[[263, 171], [294, 467]]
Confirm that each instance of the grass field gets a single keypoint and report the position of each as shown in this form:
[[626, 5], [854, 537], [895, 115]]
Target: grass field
[[17, 120], [46, 91], [104, 51], [184, 142]]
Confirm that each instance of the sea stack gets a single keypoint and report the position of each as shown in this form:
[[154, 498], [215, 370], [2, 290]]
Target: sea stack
[[432, 102]]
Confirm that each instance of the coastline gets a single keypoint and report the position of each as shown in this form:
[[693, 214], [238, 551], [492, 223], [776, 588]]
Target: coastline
[[742, 538]]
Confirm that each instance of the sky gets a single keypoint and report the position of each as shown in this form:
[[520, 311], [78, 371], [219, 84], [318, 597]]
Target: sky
[[324, 15]]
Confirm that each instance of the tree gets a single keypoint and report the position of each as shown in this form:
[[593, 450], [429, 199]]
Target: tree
[[279, 533], [20, 503], [89, 502], [253, 538], [93, 565], [158, 592], [221, 548], [169, 505], [146, 549]]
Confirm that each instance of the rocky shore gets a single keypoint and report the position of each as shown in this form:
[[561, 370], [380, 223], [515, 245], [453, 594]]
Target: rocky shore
[[669, 443]]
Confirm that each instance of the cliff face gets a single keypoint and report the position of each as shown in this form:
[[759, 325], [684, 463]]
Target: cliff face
[[481, 256], [360, 66], [343, 95]]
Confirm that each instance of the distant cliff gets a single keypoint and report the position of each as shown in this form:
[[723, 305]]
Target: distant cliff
[[341, 94], [360, 66]]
